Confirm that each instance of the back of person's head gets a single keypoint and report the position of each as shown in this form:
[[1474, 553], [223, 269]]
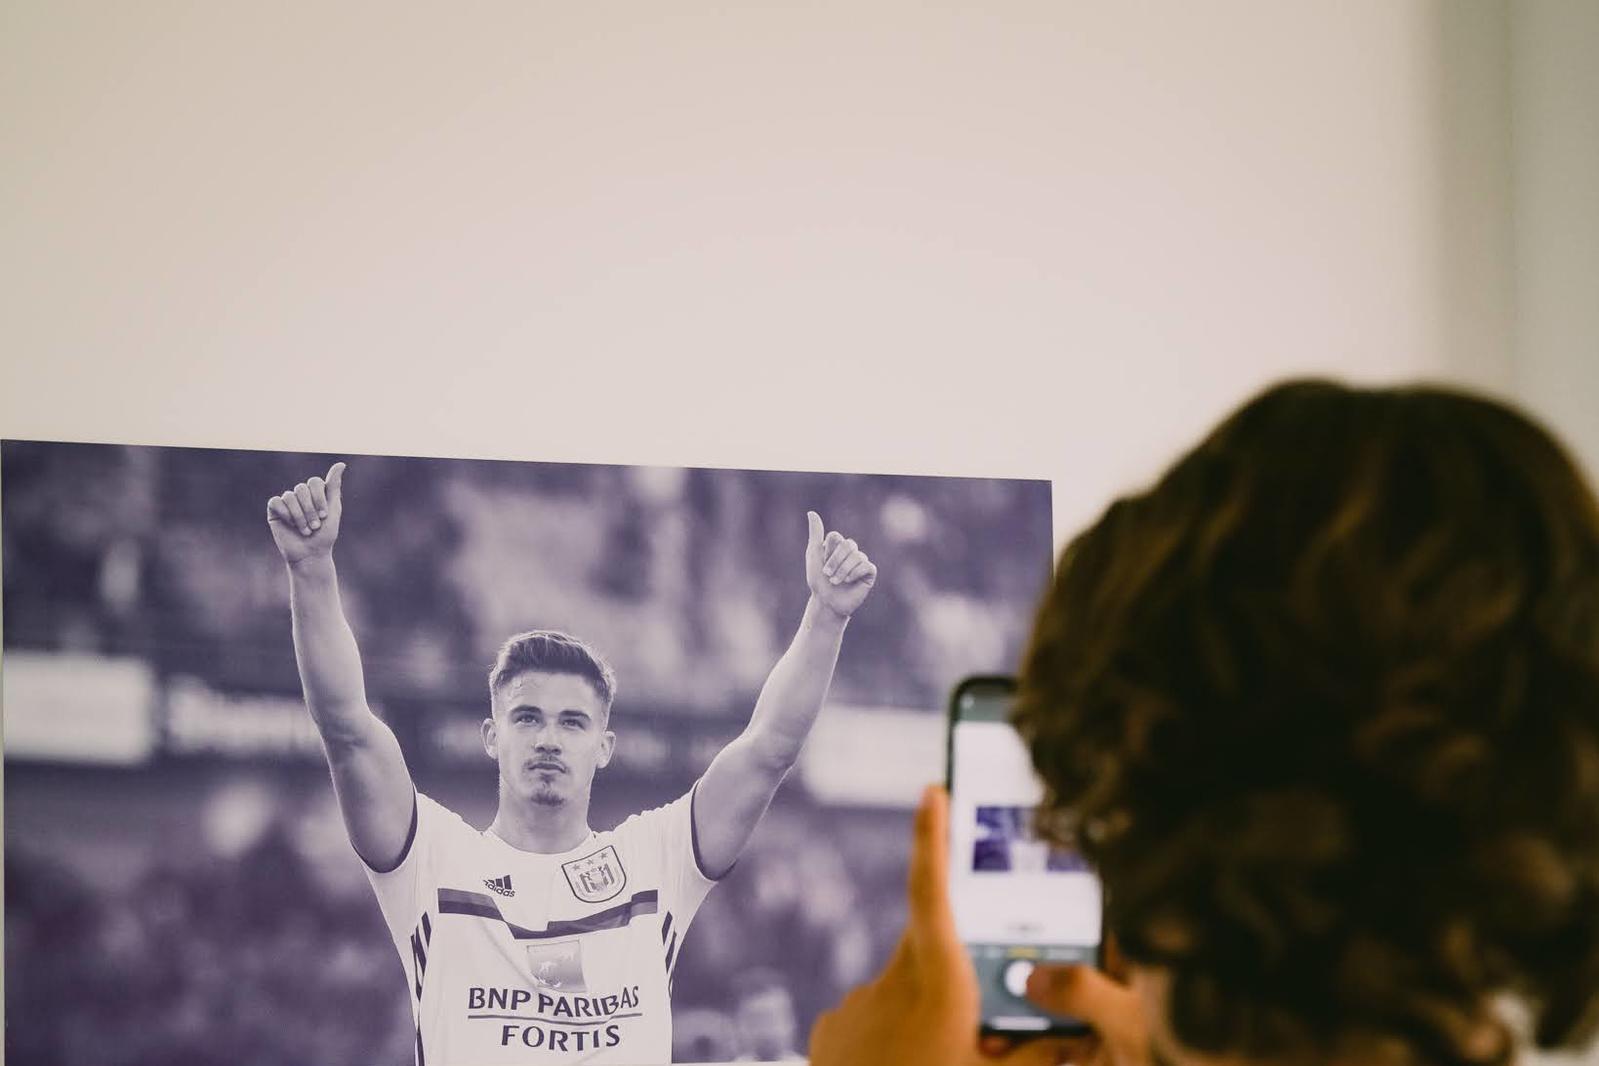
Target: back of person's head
[[1322, 707]]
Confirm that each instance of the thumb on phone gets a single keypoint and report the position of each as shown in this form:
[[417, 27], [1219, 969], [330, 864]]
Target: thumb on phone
[[1078, 991], [1113, 1009]]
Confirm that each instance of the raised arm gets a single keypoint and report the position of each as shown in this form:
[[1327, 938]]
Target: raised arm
[[369, 773], [738, 787]]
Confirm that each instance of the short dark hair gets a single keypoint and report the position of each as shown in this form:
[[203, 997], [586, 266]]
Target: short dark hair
[[554, 652], [1322, 707]]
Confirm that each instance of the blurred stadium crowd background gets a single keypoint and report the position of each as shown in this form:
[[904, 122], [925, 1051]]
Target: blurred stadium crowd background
[[178, 887]]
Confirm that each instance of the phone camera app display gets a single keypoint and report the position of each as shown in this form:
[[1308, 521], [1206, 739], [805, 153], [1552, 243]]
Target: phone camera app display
[[1019, 901]]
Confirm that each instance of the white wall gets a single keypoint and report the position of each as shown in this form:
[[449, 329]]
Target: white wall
[[1554, 52], [1033, 238], [1554, 94]]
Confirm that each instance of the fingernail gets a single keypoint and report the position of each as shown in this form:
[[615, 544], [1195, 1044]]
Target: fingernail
[[324, 514], [316, 525]]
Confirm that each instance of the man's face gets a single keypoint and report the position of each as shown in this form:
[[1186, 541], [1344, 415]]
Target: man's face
[[547, 733]]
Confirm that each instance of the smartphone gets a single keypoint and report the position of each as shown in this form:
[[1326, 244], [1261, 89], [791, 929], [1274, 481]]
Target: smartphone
[[1018, 902]]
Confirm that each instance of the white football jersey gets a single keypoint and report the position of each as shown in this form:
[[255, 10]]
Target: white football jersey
[[515, 957]]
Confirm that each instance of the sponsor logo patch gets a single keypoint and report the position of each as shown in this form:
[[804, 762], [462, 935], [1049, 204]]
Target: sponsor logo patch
[[598, 877], [557, 966]]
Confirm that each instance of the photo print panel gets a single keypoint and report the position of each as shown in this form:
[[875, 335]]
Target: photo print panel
[[575, 862]]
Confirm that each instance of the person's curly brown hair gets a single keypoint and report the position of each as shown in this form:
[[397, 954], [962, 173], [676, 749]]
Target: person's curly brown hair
[[1322, 708]]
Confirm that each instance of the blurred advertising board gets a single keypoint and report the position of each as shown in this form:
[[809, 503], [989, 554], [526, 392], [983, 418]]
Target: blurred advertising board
[[78, 708]]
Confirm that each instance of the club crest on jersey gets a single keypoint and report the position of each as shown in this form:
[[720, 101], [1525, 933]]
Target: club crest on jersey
[[557, 966], [596, 878]]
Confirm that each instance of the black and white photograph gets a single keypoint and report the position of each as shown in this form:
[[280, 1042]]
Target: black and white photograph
[[1006, 842], [338, 759]]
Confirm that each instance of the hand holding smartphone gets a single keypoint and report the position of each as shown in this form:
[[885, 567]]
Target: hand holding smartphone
[[1018, 901], [980, 919]]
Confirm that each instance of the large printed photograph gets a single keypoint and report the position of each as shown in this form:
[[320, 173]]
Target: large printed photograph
[[372, 759]]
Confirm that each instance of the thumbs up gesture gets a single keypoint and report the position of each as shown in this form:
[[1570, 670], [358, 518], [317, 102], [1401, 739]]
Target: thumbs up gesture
[[305, 520], [838, 572]]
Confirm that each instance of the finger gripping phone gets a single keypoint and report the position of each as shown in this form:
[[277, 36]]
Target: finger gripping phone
[[1018, 901]]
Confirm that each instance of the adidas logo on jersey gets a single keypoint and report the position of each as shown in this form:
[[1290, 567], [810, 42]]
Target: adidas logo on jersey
[[502, 885]]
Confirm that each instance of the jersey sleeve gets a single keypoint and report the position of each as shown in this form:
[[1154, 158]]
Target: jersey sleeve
[[407, 889], [684, 884]]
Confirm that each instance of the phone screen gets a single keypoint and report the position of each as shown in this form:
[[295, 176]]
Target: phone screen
[[1017, 900]]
